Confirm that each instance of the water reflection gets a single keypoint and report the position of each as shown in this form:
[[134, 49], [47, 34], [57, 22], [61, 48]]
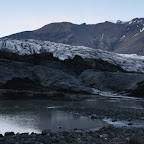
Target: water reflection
[[34, 116], [114, 102]]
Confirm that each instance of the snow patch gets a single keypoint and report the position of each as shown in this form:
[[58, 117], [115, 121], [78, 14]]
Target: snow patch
[[141, 30], [135, 21], [122, 37], [130, 22], [135, 35], [102, 36], [139, 21]]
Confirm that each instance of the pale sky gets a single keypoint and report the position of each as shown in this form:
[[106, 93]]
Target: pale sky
[[23, 15]]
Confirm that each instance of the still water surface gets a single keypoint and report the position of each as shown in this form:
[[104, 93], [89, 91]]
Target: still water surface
[[34, 116]]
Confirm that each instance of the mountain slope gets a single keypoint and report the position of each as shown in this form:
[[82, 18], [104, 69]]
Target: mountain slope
[[121, 37]]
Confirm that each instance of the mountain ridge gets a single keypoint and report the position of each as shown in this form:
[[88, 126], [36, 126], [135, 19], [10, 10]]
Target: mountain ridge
[[120, 37]]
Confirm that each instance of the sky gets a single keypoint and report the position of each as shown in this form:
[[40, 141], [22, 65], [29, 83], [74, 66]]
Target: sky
[[24, 15]]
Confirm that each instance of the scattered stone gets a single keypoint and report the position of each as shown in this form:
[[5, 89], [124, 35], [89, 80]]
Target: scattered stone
[[44, 132], [28, 142], [9, 134], [130, 124], [37, 143], [123, 139], [142, 118], [129, 119], [116, 140], [136, 139], [93, 116], [104, 136], [114, 120], [88, 138], [79, 139], [63, 142]]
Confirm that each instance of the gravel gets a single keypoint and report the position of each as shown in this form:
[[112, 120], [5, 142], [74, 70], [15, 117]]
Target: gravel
[[109, 135]]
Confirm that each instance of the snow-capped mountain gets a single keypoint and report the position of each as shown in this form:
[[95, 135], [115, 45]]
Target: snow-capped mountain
[[130, 63], [120, 37]]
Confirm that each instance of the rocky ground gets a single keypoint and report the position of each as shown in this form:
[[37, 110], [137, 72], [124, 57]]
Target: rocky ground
[[108, 135], [115, 114]]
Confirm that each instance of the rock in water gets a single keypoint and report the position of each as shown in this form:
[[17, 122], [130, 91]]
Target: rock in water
[[9, 133], [93, 116], [46, 131]]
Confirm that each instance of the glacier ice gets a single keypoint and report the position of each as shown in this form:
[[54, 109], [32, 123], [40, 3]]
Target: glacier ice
[[128, 62]]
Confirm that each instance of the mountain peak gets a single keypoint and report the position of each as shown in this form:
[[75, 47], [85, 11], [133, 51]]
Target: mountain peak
[[120, 22], [136, 21]]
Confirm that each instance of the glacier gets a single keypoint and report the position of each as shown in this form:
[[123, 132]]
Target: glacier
[[128, 62]]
